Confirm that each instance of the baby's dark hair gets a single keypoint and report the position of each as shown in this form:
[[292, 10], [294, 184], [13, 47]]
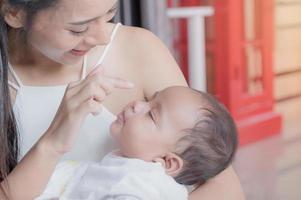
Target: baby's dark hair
[[209, 147]]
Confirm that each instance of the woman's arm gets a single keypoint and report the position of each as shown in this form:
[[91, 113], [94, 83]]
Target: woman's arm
[[160, 71], [225, 186], [30, 176]]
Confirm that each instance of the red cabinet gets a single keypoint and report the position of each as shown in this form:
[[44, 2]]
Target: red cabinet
[[240, 40]]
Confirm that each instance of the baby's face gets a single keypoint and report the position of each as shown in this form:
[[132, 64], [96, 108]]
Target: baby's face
[[147, 130]]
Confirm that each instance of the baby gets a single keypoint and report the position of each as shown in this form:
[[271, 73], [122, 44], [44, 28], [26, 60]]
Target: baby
[[179, 137]]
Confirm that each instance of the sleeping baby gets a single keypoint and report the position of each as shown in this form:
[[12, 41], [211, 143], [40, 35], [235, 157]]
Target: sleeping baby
[[180, 137]]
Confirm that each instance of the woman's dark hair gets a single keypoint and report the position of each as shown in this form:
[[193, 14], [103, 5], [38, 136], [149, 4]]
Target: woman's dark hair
[[9, 147], [8, 131]]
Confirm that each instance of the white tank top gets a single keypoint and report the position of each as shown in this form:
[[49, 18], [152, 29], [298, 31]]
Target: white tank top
[[35, 108]]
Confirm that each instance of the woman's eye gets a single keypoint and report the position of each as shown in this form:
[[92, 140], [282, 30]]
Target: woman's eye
[[79, 32]]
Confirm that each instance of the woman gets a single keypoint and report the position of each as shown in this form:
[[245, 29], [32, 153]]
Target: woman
[[53, 45]]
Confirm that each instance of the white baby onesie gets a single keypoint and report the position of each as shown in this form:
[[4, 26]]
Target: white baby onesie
[[113, 178]]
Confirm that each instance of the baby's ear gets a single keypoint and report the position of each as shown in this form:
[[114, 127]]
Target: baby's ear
[[172, 163]]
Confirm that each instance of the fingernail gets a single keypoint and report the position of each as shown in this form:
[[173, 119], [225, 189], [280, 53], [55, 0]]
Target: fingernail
[[130, 84]]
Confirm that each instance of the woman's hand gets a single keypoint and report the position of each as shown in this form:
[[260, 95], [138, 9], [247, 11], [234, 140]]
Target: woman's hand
[[30, 176], [80, 99]]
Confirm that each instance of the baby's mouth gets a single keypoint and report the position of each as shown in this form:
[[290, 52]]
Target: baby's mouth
[[120, 117]]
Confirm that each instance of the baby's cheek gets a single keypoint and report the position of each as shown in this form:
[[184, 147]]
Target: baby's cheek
[[115, 130]]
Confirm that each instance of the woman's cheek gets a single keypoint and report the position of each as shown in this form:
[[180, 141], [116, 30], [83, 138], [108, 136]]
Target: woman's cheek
[[68, 42]]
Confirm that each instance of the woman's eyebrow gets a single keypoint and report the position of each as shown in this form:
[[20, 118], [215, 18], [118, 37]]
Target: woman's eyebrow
[[84, 22], [114, 7]]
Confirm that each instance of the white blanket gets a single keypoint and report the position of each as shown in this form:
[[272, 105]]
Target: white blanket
[[114, 178]]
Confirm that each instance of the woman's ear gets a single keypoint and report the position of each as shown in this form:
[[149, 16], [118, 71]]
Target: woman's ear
[[14, 17], [172, 163]]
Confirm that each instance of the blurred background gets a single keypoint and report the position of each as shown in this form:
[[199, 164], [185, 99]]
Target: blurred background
[[248, 54]]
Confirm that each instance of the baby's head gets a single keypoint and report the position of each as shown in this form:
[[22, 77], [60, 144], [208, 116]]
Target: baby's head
[[189, 132]]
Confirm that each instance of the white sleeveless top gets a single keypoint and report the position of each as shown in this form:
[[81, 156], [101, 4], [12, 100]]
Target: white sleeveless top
[[35, 108]]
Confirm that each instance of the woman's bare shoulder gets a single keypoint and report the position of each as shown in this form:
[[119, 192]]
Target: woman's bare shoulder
[[141, 40], [157, 67], [129, 41], [139, 34]]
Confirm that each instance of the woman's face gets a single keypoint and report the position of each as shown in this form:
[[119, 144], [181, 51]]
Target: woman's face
[[66, 32]]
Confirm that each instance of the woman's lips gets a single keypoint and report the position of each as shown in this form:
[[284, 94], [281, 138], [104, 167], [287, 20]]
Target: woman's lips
[[78, 52]]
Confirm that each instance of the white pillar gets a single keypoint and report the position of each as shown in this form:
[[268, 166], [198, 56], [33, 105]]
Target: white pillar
[[196, 42]]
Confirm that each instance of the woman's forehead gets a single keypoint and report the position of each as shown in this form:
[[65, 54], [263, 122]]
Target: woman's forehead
[[84, 9]]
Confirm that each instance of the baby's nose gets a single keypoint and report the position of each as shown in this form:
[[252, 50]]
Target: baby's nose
[[140, 107]]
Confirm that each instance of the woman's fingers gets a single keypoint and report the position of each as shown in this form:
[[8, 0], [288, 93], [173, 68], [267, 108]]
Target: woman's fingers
[[121, 83], [109, 82], [90, 106], [99, 71], [89, 92], [97, 87], [82, 98]]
